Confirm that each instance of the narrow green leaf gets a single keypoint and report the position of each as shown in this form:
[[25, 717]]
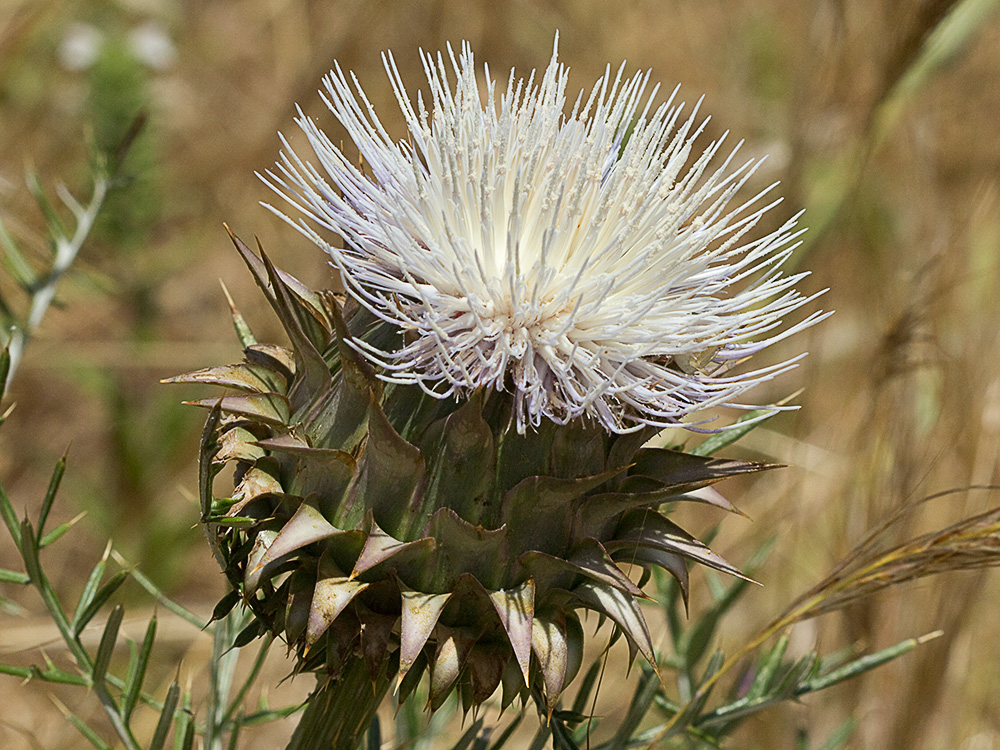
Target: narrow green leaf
[[4, 372], [468, 736], [586, 685], [642, 699], [188, 741], [88, 733], [243, 332], [50, 496], [183, 720], [25, 673], [841, 735], [10, 518], [666, 705], [12, 576], [374, 734], [541, 737], [693, 709], [234, 734], [859, 666], [251, 677], [137, 671], [17, 265], [720, 440], [508, 732], [107, 645], [561, 738], [29, 552], [50, 674], [90, 590], [263, 717], [55, 225], [768, 669], [57, 532], [166, 718], [700, 635], [233, 522], [101, 597]]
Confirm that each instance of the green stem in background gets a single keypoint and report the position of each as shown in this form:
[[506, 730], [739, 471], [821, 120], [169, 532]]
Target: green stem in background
[[66, 250], [950, 37], [41, 287], [338, 713]]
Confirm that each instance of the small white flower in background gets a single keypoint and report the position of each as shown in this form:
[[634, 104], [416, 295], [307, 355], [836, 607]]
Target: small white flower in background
[[582, 258], [80, 46], [151, 44]]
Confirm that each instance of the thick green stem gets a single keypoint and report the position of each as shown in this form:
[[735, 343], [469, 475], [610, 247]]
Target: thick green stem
[[339, 712]]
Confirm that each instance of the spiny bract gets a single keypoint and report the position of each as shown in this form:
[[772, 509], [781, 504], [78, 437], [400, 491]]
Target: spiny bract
[[370, 521]]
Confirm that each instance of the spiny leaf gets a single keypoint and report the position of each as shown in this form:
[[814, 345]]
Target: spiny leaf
[[420, 613], [453, 647], [463, 464], [684, 472], [330, 598], [254, 573], [225, 605], [242, 377], [391, 477], [276, 358], [380, 547], [309, 337], [623, 609], [650, 529], [305, 527], [208, 447], [548, 642], [270, 408], [463, 549], [243, 332], [516, 608]]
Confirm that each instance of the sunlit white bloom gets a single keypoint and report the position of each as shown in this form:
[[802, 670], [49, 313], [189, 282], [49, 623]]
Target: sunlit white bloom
[[583, 259]]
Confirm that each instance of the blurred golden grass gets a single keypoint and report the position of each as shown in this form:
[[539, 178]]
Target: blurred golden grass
[[881, 119]]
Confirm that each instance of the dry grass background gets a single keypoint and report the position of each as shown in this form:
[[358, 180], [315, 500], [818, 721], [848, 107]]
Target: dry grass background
[[895, 155]]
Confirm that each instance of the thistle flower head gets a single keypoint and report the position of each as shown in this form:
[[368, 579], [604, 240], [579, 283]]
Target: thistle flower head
[[586, 259]]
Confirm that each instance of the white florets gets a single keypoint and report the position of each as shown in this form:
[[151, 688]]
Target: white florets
[[586, 262]]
